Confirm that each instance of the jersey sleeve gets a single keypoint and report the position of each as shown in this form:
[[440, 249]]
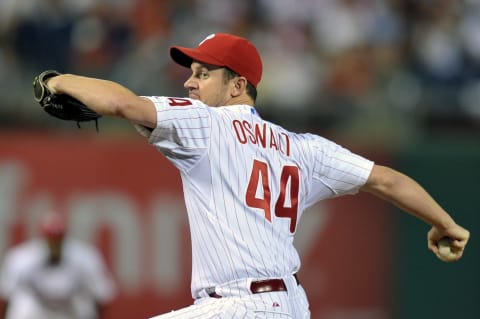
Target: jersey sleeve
[[8, 277], [183, 130], [98, 280], [17, 262], [336, 170]]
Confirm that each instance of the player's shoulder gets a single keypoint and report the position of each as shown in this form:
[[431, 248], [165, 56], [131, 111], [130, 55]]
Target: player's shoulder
[[236, 110], [74, 244], [25, 253], [27, 247], [315, 139], [311, 145], [178, 103], [80, 250]]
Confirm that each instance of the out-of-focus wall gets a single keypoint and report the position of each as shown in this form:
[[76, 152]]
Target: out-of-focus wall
[[361, 258], [425, 287], [124, 197]]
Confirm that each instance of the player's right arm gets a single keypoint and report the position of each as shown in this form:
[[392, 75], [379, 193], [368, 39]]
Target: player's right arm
[[106, 97], [407, 194]]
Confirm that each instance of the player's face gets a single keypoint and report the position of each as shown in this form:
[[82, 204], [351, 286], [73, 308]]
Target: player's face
[[207, 84]]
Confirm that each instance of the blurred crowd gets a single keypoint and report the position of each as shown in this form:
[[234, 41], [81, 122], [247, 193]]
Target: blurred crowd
[[381, 68]]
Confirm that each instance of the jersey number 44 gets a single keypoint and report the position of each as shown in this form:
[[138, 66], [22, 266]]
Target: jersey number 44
[[286, 205]]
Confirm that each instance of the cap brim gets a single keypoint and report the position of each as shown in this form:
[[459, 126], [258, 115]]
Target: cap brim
[[185, 56]]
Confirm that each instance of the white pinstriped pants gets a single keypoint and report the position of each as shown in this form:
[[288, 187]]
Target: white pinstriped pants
[[290, 304]]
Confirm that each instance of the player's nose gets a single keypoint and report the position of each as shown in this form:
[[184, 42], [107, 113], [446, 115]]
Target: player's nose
[[190, 83]]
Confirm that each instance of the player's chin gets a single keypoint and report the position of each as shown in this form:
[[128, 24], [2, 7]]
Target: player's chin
[[194, 96]]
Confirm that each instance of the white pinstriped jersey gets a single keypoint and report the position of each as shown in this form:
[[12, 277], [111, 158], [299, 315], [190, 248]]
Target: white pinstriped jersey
[[246, 183]]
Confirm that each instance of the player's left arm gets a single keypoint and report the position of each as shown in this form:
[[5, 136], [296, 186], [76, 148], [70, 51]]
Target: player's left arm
[[408, 195], [106, 98]]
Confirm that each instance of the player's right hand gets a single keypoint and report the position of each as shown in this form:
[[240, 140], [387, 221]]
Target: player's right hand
[[459, 238]]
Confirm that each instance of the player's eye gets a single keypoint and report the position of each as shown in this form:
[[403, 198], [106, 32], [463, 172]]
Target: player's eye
[[203, 75]]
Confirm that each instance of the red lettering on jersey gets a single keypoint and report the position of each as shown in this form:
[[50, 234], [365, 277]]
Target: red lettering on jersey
[[287, 201], [287, 144], [289, 174], [261, 137], [259, 171], [239, 131], [248, 128], [176, 101], [273, 141]]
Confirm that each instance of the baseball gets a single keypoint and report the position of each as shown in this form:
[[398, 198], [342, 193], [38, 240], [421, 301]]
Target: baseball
[[445, 251]]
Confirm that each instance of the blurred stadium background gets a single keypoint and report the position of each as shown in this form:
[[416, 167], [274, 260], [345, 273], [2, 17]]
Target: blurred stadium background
[[397, 81]]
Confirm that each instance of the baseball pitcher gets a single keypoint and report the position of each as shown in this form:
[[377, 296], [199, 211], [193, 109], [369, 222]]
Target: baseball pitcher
[[246, 181]]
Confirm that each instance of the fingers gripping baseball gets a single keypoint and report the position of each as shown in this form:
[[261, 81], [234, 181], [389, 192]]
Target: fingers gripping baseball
[[61, 106], [448, 245]]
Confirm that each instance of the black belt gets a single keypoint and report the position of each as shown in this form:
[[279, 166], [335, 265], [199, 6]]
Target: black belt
[[259, 286]]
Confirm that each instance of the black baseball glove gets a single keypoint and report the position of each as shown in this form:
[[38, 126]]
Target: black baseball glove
[[61, 106]]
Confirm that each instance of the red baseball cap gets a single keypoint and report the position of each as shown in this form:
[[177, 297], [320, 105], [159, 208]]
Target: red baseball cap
[[224, 50], [53, 226]]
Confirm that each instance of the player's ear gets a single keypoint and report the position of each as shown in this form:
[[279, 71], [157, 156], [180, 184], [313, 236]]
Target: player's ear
[[239, 86]]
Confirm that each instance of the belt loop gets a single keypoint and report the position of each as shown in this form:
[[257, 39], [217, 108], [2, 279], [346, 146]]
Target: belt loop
[[202, 294], [292, 283], [248, 285], [212, 292]]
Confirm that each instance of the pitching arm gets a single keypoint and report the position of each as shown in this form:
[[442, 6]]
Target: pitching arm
[[408, 195], [106, 98]]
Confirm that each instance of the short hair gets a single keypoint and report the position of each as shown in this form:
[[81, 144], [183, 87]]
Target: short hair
[[251, 90]]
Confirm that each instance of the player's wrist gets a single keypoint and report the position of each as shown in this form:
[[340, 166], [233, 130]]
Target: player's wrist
[[53, 84], [445, 222]]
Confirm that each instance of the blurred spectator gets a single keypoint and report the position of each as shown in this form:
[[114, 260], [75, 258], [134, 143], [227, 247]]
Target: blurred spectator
[[101, 36], [54, 277], [293, 75], [328, 61], [38, 32]]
